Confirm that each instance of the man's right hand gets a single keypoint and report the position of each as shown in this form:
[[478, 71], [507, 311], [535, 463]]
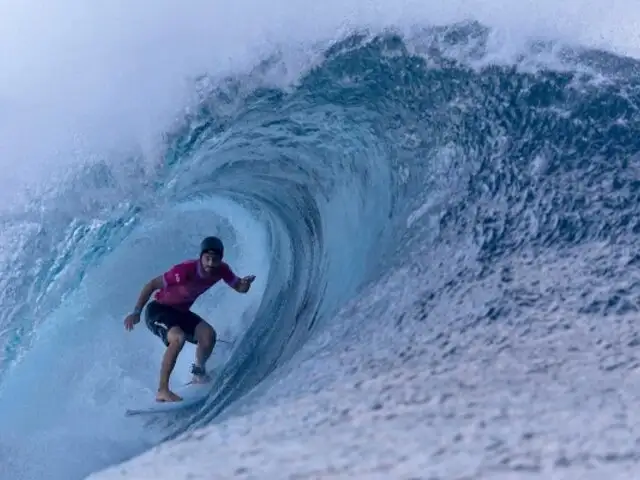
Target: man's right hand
[[131, 320]]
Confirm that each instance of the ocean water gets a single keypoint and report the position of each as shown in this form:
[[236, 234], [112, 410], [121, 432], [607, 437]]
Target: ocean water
[[439, 205]]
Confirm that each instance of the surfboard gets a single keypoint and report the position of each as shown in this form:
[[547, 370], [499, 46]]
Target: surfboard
[[191, 393]]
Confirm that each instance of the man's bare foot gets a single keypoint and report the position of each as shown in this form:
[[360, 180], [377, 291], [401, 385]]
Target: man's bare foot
[[167, 396]]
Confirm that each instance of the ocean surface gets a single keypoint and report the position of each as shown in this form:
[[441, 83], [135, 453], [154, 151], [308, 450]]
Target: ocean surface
[[445, 244]]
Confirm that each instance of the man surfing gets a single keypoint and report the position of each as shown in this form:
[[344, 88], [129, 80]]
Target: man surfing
[[169, 315]]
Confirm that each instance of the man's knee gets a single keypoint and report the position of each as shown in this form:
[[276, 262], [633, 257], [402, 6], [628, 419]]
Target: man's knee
[[175, 336]]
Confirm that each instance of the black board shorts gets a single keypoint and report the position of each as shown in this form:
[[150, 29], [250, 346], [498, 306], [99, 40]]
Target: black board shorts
[[161, 318]]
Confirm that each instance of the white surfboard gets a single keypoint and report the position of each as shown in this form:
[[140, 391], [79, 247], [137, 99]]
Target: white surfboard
[[191, 393]]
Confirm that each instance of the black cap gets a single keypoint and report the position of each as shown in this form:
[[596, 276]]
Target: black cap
[[212, 244]]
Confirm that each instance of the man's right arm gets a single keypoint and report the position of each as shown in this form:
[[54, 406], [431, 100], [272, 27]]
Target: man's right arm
[[179, 274], [134, 317], [151, 286]]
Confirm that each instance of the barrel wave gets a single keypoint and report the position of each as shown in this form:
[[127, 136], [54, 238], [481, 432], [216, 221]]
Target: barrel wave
[[445, 252]]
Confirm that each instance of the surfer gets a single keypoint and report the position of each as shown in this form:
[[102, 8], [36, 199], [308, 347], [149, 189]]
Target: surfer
[[169, 317]]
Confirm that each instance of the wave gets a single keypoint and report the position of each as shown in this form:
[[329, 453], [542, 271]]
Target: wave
[[400, 174]]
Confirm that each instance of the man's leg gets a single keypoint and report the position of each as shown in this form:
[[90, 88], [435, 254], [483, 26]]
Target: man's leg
[[205, 337], [175, 340]]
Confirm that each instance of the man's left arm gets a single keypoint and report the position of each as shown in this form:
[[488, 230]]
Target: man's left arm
[[243, 284], [240, 285]]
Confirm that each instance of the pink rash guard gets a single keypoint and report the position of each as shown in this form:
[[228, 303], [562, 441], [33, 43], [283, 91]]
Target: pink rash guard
[[185, 282]]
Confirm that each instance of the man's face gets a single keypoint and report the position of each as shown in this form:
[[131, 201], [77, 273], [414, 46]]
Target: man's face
[[210, 261]]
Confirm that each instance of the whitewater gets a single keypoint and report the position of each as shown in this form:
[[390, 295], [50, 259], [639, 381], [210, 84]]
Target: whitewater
[[439, 203]]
